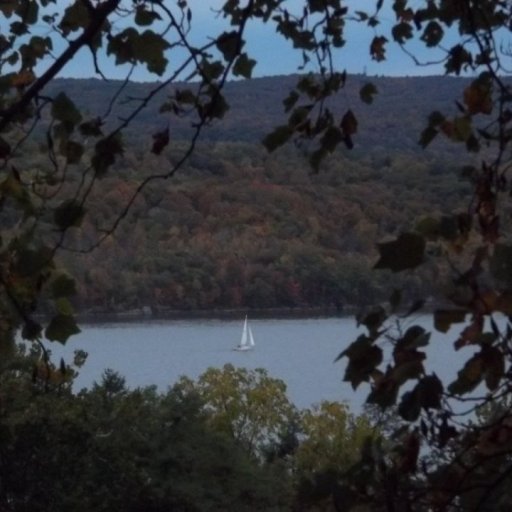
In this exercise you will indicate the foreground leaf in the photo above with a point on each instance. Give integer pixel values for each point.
(444, 318)
(407, 251)
(61, 327)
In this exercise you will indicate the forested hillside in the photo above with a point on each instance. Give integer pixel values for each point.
(393, 121)
(239, 228)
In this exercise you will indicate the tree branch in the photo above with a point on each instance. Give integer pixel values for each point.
(100, 14)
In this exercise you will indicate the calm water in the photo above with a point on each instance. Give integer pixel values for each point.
(300, 352)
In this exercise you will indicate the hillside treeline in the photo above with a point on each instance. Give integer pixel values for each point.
(242, 229)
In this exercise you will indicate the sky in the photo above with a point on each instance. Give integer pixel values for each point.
(274, 55)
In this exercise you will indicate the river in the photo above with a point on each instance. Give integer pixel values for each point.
(298, 351)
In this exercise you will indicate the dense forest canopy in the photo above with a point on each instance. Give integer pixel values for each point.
(82, 187)
(237, 228)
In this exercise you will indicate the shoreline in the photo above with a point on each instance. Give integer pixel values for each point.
(147, 315)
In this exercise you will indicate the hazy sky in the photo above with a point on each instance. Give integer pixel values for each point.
(274, 54)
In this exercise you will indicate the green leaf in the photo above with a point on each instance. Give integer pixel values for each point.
(384, 393)
(444, 318)
(40, 45)
(478, 97)
(363, 357)
(150, 48)
(31, 330)
(185, 96)
(64, 110)
(469, 377)
(121, 45)
(408, 370)
(427, 394)
(28, 11)
(331, 138)
(229, 44)
(316, 5)
(459, 58)
(316, 158)
(462, 129)
(76, 17)
(106, 151)
(415, 337)
(494, 366)
(19, 29)
(433, 34)
(409, 407)
(63, 286)
(64, 307)
(145, 17)
(308, 85)
(8, 7)
(243, 66)
(430, 392)
(160, 141)
(91, 128)
(349, 123)
(68, 213)
(446, 433)
(211, 70)
(407, 251)
(216, 108)
(427, 136)
(61, 327)
(367, 92)
(277, 138)
(402, 32)
(372, 320)
(377, 48)
(299, 115)
(291, 100)
(436, 118)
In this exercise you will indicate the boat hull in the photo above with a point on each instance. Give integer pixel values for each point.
(243, 349)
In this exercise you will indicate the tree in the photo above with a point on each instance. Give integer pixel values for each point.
(112, 448)
(41, 206)
(249, 405)
(331, 443)
(332, 438)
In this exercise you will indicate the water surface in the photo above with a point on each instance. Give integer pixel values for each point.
(298, 351)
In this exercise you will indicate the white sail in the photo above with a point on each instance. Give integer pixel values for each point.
(247, 340)
(251, 337)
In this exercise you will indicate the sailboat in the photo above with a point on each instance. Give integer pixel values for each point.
(247, 340)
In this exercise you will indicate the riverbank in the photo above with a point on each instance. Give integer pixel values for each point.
(147, 314)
